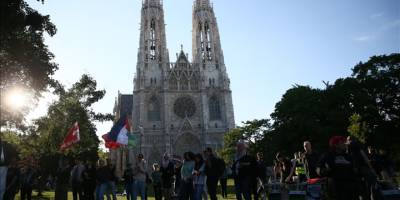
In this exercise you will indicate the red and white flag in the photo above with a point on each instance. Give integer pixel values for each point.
(71, 138)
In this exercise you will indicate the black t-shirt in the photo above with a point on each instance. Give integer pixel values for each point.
(261, 170)
(128, 176)
(310, 165)
(341, 167)
(355, 149)
(167, 173)
(286, 166)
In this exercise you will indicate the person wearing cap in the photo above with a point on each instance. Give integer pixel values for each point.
(338, 165)
(244, 170)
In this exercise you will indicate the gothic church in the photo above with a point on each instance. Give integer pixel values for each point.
(176, 106)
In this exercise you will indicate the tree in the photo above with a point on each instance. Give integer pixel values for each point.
(73, 105)
(252, 132)
(25, 61)
(358, 128)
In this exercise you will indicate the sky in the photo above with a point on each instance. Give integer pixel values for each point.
(268, 46)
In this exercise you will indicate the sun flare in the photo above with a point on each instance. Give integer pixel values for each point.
(16, 98)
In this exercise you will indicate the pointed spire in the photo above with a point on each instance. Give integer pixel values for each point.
(148, 3)
(202, 4)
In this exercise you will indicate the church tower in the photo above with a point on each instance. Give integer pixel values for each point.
(152, 52)
(207, 52)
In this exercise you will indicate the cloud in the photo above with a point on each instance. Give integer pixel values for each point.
(394, 24)
(376, 15)
(363, 38)
(390, 25)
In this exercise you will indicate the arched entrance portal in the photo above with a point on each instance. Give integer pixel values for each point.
(187, 142)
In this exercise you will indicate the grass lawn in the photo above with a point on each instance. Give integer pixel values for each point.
(48, 195)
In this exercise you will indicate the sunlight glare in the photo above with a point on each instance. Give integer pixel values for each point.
(16, 98)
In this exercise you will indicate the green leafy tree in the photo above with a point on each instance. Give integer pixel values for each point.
(358, 128)
(73, 105)
(253, 132)
(25, 61)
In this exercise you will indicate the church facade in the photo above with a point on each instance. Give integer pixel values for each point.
(182, 105)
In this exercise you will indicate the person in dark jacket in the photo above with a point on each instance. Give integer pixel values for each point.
(26, 180)
(128, 178)
(311, 160)
(7, 151)
(338, 165)
(62, 181)
(104, 175)
(77, 180)
(89, 181)
(167, 176)
(212, 171)
(12, 183)
(244, 170)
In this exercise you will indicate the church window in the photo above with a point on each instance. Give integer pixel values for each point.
(194, 83)
(214, 108)
(216, 125)
(172, 126)
(153, 113)
(208, 40)
(173, 83)
(209, 81)
(202, 46)
(152, 40)
(184, 83)
(154, 127)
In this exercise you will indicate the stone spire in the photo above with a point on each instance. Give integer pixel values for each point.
(205, 37)
(153, 2)
(152, 44)
(152, 52)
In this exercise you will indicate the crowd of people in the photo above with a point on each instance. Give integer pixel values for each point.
(349, 170)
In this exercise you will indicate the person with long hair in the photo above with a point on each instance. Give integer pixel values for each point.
(199, 176)
(186, 188)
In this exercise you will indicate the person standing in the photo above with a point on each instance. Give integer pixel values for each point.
(13, 175)
(214, 169)
(167, 176)
(186, 185)
(156, 177)
(89, 181)
(311, 160)
(6, 153)
(261, 175)
(128, 179)
(199, 176)
(223, 181)
(139, 171)
(27, 178)
(63, 175)
(338, 165)
(76, 180)
(103, 176)
(244, 172)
